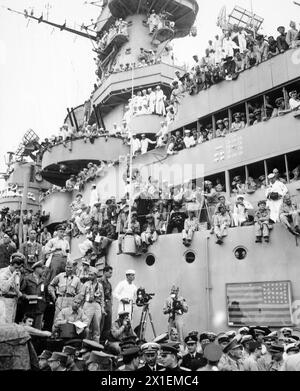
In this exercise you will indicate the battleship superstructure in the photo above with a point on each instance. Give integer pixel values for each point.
(202, 271)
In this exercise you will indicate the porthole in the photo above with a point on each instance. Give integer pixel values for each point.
(240, 253)
(190, 256)
(150, 259)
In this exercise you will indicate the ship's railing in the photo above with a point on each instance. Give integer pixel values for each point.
(83, 134)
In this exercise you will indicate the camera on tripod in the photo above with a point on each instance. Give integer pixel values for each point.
(142, 297)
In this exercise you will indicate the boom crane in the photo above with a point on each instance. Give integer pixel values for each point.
(59, 26)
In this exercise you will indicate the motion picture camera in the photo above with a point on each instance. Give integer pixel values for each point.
(142, 297)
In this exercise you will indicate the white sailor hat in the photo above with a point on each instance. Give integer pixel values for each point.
(292, 347)
(130, 271)
(271, 176)
(187, 131)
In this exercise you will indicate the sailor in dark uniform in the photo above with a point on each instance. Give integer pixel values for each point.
(193, 360)
(169, 357)
(150, 355)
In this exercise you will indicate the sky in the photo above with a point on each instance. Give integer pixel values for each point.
(43, 71)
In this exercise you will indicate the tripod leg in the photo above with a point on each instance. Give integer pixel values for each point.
(143, 328)
(151, 322)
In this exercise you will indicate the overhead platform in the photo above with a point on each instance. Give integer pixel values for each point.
(82, 153)
(182, 12)
(116, 89)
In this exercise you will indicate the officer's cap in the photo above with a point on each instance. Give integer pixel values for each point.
(69, 350)
(244, 330)
(234, 344)
(171, 347)
(276, 348)
(231, 333)
(203, 336)
(161, 338)
(99, 357)
(292, 347)
(246, 338)
(222, 338)
(191, 339)
(150, 347)
(57, 356)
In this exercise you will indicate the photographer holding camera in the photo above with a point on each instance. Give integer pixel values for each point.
(120, 329)
(175, 307)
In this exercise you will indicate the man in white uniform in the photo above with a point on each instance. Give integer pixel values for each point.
(275, 193)
(145, 144)
(125, 293)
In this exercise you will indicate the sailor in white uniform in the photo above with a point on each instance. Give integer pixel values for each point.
(125, 293)
(275, 193)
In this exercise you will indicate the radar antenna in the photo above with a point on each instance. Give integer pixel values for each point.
(59, 26)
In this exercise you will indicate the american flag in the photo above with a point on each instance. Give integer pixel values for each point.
(259, 303)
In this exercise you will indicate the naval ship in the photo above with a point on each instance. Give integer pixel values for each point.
(215, 280)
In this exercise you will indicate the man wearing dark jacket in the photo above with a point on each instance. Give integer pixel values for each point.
(193, 360)
(150, 354)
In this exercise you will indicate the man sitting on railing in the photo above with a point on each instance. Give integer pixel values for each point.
(240, 211)
(221, 223)
(191, 225)
(289, 215)
(262, 222)
(176, 219)
(149, 234)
